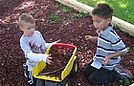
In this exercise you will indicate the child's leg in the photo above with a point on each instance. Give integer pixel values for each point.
(124, 73)
(25, 67)
(115, 76)
(28, 74)
(88, 70)
(31, 80)
(100, 76)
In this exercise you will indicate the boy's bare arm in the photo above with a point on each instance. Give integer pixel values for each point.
(106, 60)
(93, 38)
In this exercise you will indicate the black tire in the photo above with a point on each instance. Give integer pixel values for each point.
(74, 69)
(40, 82)
(65, 82)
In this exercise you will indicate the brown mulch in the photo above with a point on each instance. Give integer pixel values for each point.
(61, 54)
(70, 28)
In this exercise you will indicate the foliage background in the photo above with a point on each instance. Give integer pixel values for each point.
(123, 9)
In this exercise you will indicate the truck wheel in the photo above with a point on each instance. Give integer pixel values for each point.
(74, 69)
(40, 82)
(65, 82)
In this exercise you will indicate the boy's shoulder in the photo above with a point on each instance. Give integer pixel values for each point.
(111, 35)
(36, 31)
(107, 32)
(22, 38)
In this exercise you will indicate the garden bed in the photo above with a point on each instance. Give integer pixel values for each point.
(54, 21)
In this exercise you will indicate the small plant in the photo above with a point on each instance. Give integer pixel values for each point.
(79, 15)
(65, 8)
(54, 18)
(82, 15)
(126, 82)
(72, 16)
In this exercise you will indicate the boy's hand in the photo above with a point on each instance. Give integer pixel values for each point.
(106, 60)
(58, 41)
(49, 59)
(88, 37)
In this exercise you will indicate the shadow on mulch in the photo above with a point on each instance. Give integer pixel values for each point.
(70, 29)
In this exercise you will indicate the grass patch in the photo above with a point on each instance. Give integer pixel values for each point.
(123, 9)
(69, 10)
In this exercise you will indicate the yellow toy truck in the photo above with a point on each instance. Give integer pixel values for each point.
(70, 69)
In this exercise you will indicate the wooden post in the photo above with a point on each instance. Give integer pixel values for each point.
(123, 25)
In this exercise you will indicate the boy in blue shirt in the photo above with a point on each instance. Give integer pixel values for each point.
(32, 44)
(109, 48)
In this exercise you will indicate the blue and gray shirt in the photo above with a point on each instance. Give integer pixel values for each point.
(109, 43)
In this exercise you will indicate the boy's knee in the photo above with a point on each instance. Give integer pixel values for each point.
(97, 79)
(92, 79)
(86, 72)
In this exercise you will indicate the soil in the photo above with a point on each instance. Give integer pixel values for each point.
(60, 57)
(69, 27)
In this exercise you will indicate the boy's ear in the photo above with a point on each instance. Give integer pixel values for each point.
(21, 27)
(109, 20)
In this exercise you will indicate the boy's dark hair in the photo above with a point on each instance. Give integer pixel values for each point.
(103, 10)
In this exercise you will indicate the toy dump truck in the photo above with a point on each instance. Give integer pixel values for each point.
(48, 78)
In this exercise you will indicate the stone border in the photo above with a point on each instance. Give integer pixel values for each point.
(123, 25)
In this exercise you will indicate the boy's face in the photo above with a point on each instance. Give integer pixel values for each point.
(100, 23)
(28, 29)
